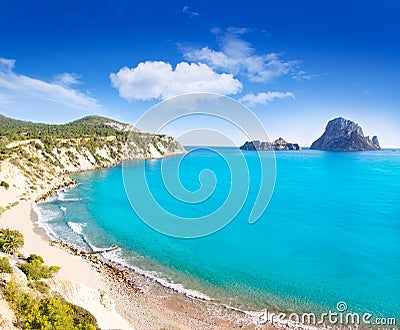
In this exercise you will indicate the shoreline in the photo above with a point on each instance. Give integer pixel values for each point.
(141, 301)
(38, 230)
(184, 309)
(134, 285)
(72, 269)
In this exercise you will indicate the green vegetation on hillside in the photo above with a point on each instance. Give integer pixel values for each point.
(35, 269)
(5, 266)
(37, 152)
(91, 133)
(38, 311)
(87, 127)
(34, 305)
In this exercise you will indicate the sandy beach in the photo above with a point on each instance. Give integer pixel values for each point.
(133, 301)
(71, 267)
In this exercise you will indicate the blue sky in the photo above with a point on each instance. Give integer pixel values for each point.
(296, 64)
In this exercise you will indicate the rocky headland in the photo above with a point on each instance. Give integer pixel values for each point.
(35, 158)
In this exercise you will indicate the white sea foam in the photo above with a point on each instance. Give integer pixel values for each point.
(49, 199)
(155, 277)
(64, 199)
(252, 316)
(62, 196)
(76, 227)
(43, 216)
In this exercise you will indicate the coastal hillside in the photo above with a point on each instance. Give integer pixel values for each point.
(37, 156)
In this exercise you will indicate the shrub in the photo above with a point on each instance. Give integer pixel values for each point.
(36, 145)
(40, 286)
(48, 313)
(1, 210)
(83, 318)
(5, 266)
(56, 313)
(34, 269)
(34, 159)
(71, 156)
(14, 203)
(4, 184)
(35, 257)
(10, 240)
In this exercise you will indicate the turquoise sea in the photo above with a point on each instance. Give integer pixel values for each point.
(330, 234)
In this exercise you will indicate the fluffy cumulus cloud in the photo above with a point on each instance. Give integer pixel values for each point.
(239, 57)
(264, 98)
(159, 80)
(21, 87)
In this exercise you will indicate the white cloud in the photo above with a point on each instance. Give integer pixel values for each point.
(264, 98)
(189, 12)
(159, 80)
(67, 79)
(18, 86)
(302, 75)
(239, 57)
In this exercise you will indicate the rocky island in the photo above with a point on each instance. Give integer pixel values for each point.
(278, 144)
(344, 135)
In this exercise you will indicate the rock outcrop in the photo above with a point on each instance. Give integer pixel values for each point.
(344, 135)
(278, 144)
(97, 302)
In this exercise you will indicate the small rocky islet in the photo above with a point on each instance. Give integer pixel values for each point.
(345, 135)
(278, 144)
(340, 135)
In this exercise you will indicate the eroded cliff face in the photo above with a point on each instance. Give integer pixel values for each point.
(344, 135)
(34, 166)
(96, 301)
